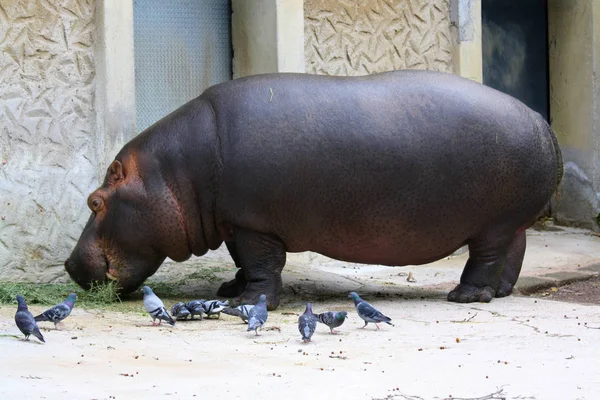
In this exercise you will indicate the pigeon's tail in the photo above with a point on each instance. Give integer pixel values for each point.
(233, 311)
(41, 317)
(389, 322)
(169, 320)
(36, 332)
(254, 324)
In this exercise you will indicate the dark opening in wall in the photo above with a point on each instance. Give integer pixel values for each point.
(515, 50)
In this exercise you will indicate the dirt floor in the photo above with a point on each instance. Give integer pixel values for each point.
(586, 291)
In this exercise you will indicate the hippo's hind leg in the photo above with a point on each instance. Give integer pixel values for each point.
(483, 272)
(262, 258)
(236, 286)
(512, 265)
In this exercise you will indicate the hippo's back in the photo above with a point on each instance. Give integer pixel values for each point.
(356, 166)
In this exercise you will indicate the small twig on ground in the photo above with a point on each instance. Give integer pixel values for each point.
(466, 319)
(498, 395)
(592, 327)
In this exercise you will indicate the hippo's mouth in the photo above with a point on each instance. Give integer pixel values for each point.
(111, 271)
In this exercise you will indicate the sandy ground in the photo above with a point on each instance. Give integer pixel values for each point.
(530, 348)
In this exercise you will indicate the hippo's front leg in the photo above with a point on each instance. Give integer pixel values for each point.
(236, 286)
(262, 258)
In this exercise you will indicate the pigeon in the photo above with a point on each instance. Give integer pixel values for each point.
(258, 315)
(25, 321)
(239, 311)
(180, 311)
(307, 323)
(368, 313)
(195, 307)
(59, 312)
(332, 319)
(155, 307)
(214, 307)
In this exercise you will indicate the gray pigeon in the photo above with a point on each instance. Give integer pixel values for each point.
(180, 311)
(258, 315)
(155, 307)
(307, 323)
(195, 307)
(25, 321)
(368, 313)
(214, 307)
(239, 311)
(332, 319)
(59, 312)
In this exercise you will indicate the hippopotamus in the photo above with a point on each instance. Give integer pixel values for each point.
(396, 168)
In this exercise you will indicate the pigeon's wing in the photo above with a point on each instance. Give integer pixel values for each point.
(245, 309)
(326, 318)
(370, 313)
(152, 302)
(25, 322)
(163, 314)
(55, 314)
(236, 312)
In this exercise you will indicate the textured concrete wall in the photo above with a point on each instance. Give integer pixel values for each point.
(574, 36)
(47, 133)
(359, 37)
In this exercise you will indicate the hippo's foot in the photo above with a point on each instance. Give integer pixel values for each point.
(246, 298)
(504, 289)
(234, 287)
(464, 293)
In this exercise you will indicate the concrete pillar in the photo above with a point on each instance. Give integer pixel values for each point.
(466, 17)
(267, 36)
(574, 62)
(115, 78)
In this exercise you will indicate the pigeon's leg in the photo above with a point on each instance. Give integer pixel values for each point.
(512, 265)
(262, 257)
(236, 286)
(377, 326)
(365, 325)
(481, 277)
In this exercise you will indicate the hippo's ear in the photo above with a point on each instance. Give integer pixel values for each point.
(115, 172)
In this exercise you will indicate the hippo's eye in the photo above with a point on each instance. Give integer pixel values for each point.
(95, 204)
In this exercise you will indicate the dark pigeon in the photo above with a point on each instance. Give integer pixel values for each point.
(307, 323)
(368, 313)
(180, 311)
(258, 315)
(332, 319)
(195, 307)
(59, 312)
(25, 321)
(156, 308)
(239, 311)
(214, 307)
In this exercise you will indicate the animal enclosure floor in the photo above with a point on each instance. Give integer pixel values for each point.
(530, 348)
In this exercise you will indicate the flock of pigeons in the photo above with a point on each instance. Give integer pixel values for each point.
(254, 315)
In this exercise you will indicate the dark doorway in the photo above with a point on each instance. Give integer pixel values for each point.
(515, 50)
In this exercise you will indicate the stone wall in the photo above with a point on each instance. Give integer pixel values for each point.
(574, 34)
(359, 37)
(47, 133)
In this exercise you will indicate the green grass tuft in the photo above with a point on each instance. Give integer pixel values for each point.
(100, 295)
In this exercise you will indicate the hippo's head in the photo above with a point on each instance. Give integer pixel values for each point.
(134, 226)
